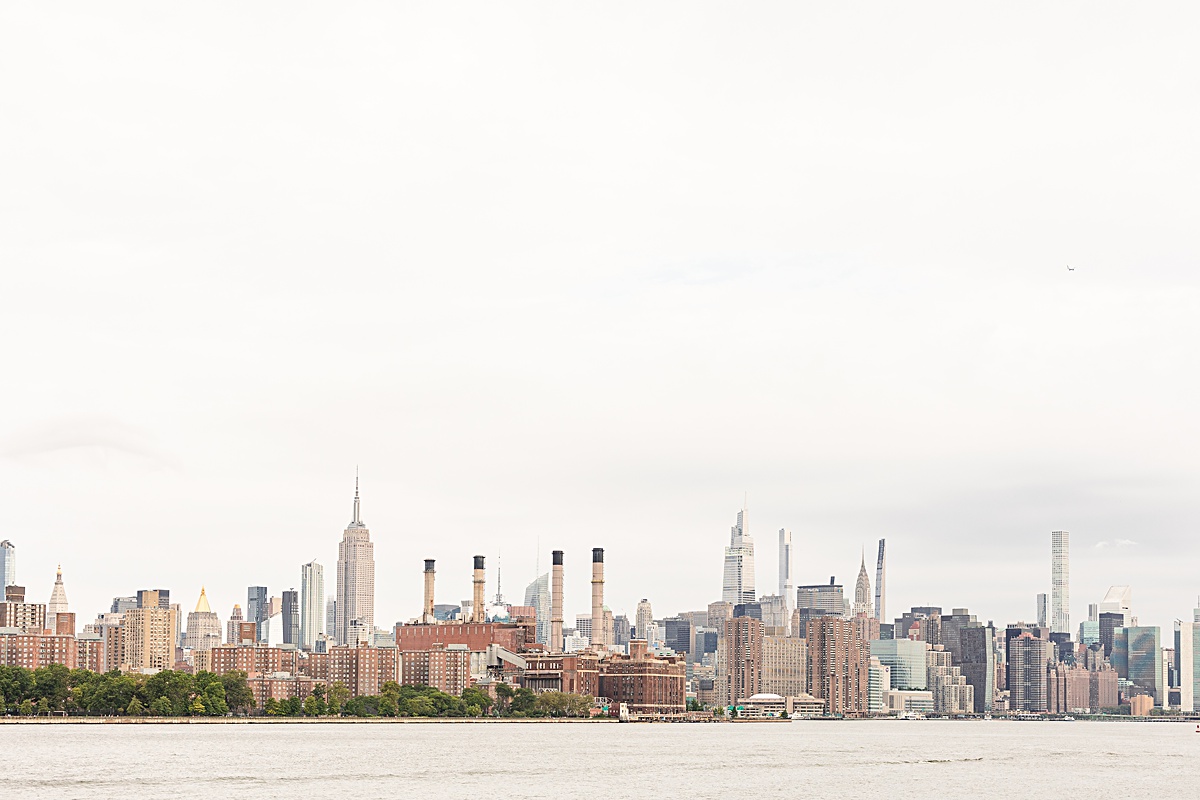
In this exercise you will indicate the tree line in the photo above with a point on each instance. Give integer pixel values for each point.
(55, 689)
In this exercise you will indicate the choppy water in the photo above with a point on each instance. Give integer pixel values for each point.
(846, 759)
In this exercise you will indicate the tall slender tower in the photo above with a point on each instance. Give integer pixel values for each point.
(427, 617)
(599, 636)
(862, 590)
(312, 603)
(787, 584)
(737, 585)
(58, 602)
(355, 578)
(880, 582)
(556, 602)
(1060, 587)
(8, 565)
(478, 583)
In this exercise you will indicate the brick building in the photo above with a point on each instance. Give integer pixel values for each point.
(279, 686)
(34, 650)
(252, 659)
(362, 669)
(838, 666)
(574, 673)
(475, 635)
(647, 685)
(445, 668)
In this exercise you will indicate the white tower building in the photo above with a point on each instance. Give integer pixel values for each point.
(738, 583)
(1060, 587)
(312, 603)
(787, 583)
(643, 620)
(355, 579)
(58, 602)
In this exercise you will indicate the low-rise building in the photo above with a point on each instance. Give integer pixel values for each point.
(647, 685)
(446, 668)
(34, 650)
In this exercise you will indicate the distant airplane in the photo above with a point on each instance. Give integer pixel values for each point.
(1070, 268)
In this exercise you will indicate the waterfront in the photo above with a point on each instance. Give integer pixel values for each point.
(845, 759)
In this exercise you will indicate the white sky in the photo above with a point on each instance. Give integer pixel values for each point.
(583, 275)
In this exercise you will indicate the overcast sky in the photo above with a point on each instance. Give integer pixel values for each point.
(585, 275)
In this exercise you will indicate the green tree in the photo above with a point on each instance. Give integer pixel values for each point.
(312, 706)
(524, 702)
(176, 687)
(477, 698)
(134, 709)
(43, 706)
(26, 707)
(197, 708)
(161, 707)
(52, 685)
(238, 696)
(474, 711)
(339, 695)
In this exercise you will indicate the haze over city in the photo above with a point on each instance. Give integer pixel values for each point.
(541, 288)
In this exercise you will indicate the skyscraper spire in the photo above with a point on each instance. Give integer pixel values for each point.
(357, 521)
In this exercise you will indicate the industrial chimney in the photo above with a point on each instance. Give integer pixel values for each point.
(598, 634)
(427, 617)
(478, 612)
(556, 602)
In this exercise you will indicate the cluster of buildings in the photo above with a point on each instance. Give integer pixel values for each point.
(803, 651)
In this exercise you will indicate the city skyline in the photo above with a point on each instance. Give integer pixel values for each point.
(1048, 611)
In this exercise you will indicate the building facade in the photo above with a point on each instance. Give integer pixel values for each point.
(737, 584)
(784, 666)
(1060, 587)
(355, 578)
(312, 604)
(837, 666)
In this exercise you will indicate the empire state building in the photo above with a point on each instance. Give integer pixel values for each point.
(355, 581)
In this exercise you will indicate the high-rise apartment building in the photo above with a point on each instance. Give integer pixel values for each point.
(1043, 610)
(258, 610)
(862, 590)
(8, 564)
(537, 594)
(787, 582)
(355, 578)
(838, 666)
(1028, 659)
(738, 581)
(312, 596)
(290, 613)
(330, 615)
(784, 666)
(148, 635)
(743, 658)
(58, 602)
(880, 582)
(1060, 587)
(16, 613)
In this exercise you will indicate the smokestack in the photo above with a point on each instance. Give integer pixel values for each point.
(427, 612)
(598, 633)
(556, 602)
(478, 612)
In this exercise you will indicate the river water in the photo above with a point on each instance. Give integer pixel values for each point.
(811, 759)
